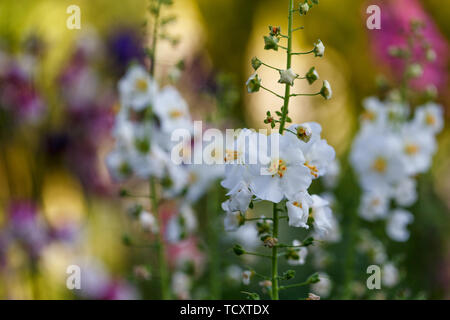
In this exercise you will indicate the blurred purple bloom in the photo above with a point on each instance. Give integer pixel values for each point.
(396, 16)
(27, 228)
(125, 45)
(19, 96)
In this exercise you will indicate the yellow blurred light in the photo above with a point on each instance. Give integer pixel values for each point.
(62, 199)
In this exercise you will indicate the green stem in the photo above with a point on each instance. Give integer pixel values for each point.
(258, 254)
(284, 115)
(163, 267)
(213, 246)
(274, 93)
(287, 93)
(305, 94)
(155, 39)
(294, 285)
(269, 66)
(300, 53)
(275, 254)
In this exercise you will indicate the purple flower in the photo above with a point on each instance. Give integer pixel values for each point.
(19, 96)
(27, 228)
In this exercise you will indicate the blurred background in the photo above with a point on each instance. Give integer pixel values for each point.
(57, 104)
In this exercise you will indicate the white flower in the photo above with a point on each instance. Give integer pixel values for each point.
(253, 83)
(172, 110)
(318, 154)
(323, 287)
(240, 197)
(181, 285)
(200, 179)
(234, 273)
(396, 227)
(118, 165)
(233, 220)
(287, 76)
(148, 222)
(175, 180)
(377, 159)
(137, 89)
(389, 275)
(430, 117)
(241, 154)
(374, 115)
(374, 204)
(326, 91)
(331, 177)
(247, 235)
(333, 235)
(418, 146)
(298, 209)
(285, 175)
(322, 215)
(300, 257)
(405, 193)
(149, 164)
(319, 49)
(181, 224)
(246, 277)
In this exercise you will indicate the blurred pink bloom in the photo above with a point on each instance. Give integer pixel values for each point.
(396, 16)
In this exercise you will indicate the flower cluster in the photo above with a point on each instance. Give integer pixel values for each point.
(279, 176)
(279, 168)
(388, 153)
(142, 132)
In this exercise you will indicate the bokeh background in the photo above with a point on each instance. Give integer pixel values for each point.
(61, 85)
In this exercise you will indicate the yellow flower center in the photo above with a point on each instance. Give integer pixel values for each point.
(174, 114)
(298, 205)
(231, 155)
(379, 165)
(193, 177)
(368, 115)
(277, 167)
(430, 119)
(312, 169)
(141, 84)
(411, 149)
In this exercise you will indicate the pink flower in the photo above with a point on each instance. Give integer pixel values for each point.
(396, 16)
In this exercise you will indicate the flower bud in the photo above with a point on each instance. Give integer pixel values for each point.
(142, 272)
(304, 133)
(314, 278)
(312, 75)
(274, 31)
(430, 55)
(246, 277)
(326, 91)
(256, 63)
(431, 92)
(271, 43)
(288, 275)
(287, 76)
(238, 250)
(253, 83)
(312, 296)
(414, 70)
(319, 49)
(270, 242)
(303, 8)
(397, 52)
